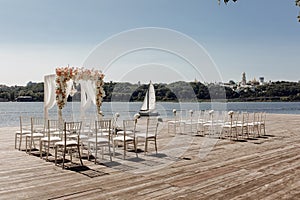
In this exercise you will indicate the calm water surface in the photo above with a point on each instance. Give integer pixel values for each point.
(10, 111)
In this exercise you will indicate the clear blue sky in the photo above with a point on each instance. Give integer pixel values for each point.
(259, 37)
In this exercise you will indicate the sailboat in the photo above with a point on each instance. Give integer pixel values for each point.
(148, 107)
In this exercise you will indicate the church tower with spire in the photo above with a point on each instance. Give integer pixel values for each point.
(244, 81)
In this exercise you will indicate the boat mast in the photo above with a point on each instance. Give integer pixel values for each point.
(148, 96)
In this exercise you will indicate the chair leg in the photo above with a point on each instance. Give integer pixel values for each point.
(134, 145)
(109, 152)
(82, 147)
(48, 148)
(155, 145)
(41, 150)
(89, 148)
(124, 155)
(71, 155)
(26, 143)
(20, 142)
(114, 149)
(78, 148)
(30, 144)
(262, 127)
(16, 138)
(64, 156)
(96, 149)
(175, 128)
(55, 155)
(146, 146)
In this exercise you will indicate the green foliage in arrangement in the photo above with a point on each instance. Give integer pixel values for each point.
(177, 91)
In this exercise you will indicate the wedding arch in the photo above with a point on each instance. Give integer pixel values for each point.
(58, 86)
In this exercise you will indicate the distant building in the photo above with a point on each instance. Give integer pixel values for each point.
(244, 80)
(24, 99)
(261, 80)
(3, 100)
(254, 82)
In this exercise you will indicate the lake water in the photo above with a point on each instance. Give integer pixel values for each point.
(10, 111)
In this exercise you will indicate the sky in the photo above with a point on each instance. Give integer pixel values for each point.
(260, 38)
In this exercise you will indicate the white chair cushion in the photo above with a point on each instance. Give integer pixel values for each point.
(69, 143)
(99, 140)
(35, 135)
(23, 132)
(143, 135)
(51, 139)
(121, 138)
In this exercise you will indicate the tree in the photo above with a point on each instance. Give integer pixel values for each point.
(226, 1)
(297, 4)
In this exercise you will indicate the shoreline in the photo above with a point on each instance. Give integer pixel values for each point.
(267, 99)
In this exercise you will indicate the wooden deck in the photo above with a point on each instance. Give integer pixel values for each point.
(262, 168)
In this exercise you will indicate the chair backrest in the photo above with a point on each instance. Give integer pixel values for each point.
(206, 116)
(263, 117)
(25, 123)
(129, 126)
(115, 124)
(37, 125)
(255, 117)
(194, 115)
(53, 126)
(179, 115)
(225, 116)
(152, 126)
(236, 116)
(102, 126)
(219, 116)
(211, 116)
(72, 129)
(233, 118)
(88, 123)
(201, 116)
(245, 119)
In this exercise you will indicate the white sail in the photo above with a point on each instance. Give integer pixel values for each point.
(149, 101)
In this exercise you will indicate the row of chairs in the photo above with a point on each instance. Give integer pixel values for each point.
(108, 133)
(61, 136)
(92, 135)
(222, 123)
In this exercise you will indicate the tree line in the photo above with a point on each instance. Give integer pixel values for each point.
(297, 2)
(177, 91)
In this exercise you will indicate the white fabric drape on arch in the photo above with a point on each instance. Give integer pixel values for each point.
(49, 94)
(88, 94)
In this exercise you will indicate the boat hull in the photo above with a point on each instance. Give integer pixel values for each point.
(148, 113)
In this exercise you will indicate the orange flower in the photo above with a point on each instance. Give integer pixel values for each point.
(58, 72)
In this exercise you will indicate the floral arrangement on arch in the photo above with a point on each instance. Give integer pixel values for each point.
(65, 74)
